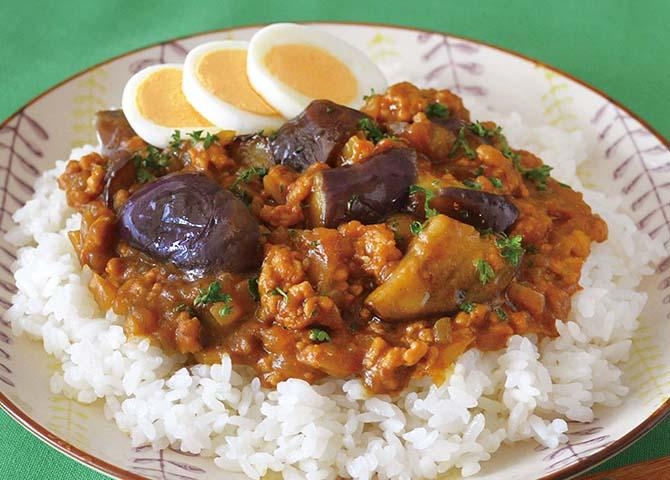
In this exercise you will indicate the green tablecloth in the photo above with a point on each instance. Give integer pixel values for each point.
(620, 47)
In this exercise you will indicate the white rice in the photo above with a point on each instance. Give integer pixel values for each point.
(526, 391)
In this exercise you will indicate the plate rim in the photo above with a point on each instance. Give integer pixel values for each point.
(106, 468)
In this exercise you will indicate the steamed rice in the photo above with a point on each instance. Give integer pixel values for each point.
(526, 391)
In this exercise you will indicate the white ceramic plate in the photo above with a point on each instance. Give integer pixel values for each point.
(632, 154)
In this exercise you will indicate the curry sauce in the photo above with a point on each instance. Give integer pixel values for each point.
(379, 247)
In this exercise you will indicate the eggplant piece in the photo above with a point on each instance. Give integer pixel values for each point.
(251, 150)
(114, 131)
(191, 221)
(482, 210)
(438, 273)
(367, 192)
(316, 135)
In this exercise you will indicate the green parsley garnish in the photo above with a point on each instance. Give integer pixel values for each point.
(496, 182)
(539, 175)
(501, 313)
(195, 135)
(225, 310)
(416, 227)
(147, 166)
(510, 249)
(182, 307)
(371, 129)
(212, 294)
(319, 335)
(472, 184)
(467, 307)
(368, 97)
(245, 175)
(462, 142)
(252, 285)
(209, 139)
(428, 196)
(484, 270)
(481, 131)
(437, 110)
(478, 171)
(176, 140)
(279, 291)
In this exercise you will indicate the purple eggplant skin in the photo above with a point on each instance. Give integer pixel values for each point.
(113, 131)
(367, 192)
(482, 210)
(317, 135)
(251, 150)
(191, 221)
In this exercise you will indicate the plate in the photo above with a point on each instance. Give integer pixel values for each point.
(635, 158)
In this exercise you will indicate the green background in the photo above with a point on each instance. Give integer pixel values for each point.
(620, 47)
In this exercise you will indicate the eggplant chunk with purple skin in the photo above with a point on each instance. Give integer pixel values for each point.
(317, 135)
(191, 221)
(252, 150)
(367, 192)
(482, 210)
(114, 131)
(443, 267)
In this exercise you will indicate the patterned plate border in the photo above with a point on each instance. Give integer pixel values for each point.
(18, 137)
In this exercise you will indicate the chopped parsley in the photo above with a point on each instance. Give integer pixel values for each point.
(484, 270)
(462, 142)
(478, 171)
(147, 166)
(371, 129)
(245, 175)
(209, 139)
(496, 182)
(279, 291)
(510, 249)
(212, 294)
(428, 196)
(539, 175)
(368, 97)
(319, 335)
(416, 227)
(196, 135)
(501, 313)
(481, 131)
(182, 307)
(252, 285)
(472, 184)
(467, 307)
(225, 310)
(437, 110)
(175, 143)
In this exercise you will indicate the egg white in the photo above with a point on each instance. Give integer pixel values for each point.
(285, 99)
(150, 131)
(221, 113)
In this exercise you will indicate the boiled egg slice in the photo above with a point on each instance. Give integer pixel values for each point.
(290, 65)
(215, 82)
(155, 106)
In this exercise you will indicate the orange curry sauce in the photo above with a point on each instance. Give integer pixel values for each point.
(309, 311)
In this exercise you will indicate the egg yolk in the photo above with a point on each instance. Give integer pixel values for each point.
(313, 72)
(224, 74)
(160, 99)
